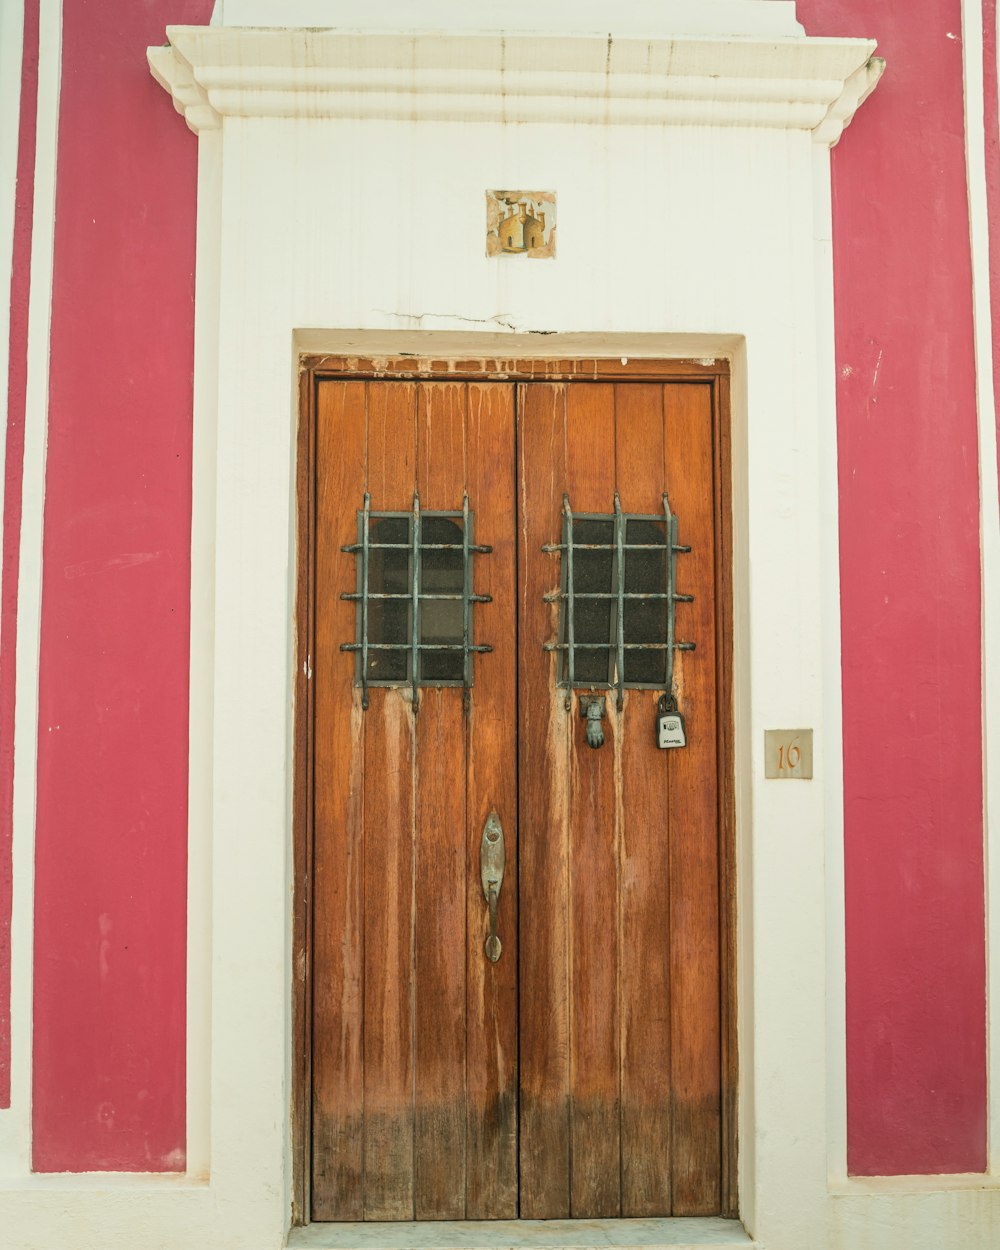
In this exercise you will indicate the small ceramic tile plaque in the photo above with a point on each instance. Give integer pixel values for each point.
(521, 223)
(788, 754)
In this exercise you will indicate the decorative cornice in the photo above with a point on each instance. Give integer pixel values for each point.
(787, 84)
(841, 112)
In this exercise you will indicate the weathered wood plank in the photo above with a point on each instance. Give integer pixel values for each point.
(643, 807)
(338, 941)
(441, 869)
(593, 915)
(389, 855)
(694, 860)
(491, 1184)
(543, 744)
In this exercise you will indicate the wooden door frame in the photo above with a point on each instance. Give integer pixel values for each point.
(314, 369)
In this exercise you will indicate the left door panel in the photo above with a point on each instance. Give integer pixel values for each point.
(414, 1030)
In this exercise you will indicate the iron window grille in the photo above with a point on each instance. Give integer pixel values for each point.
(397, 640)
(616, 574)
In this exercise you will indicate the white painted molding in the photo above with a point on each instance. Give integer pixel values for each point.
(790, 84)
(857, 89)
(172, 72)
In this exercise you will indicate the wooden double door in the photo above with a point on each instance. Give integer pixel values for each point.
(583, 1072)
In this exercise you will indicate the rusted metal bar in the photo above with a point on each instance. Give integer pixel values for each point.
(480, 549)
(620, 610)
(424, 596)
(570, 605)
(415, 605)
(365, 518)
(608, 646)
(406, 646)
(557, 595)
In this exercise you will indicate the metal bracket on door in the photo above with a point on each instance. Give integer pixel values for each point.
(492, 857)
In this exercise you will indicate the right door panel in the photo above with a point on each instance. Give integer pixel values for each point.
(620, 1024)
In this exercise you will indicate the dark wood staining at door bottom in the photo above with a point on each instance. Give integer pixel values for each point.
(590, 1072)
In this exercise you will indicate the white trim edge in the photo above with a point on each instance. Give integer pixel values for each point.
(989, 496)
(11, 46)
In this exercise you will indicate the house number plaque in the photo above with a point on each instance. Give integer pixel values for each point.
(788, 754)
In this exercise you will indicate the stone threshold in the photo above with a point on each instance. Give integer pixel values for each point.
(678, 1234)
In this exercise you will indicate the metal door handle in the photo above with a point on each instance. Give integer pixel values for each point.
(492, 857)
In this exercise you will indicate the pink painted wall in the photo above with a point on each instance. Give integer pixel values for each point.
(910, 578)
(109, 994)
(17, 385)
(110, 870)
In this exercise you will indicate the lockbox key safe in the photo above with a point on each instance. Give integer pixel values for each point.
(669, 725)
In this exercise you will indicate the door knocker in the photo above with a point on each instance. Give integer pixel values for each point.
(592, 709)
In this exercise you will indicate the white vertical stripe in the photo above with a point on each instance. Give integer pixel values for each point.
(832, 676)
(201, 726)
(989, 503)
(16, 1139)
(11, 41)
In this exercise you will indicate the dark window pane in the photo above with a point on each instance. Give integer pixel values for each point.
(592, 618)
(595, 620)
(645, 619)
(442, 614)
(441, 620)
(389, 619)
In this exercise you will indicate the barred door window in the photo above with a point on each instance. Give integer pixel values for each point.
(617, 599)
(414, 598)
